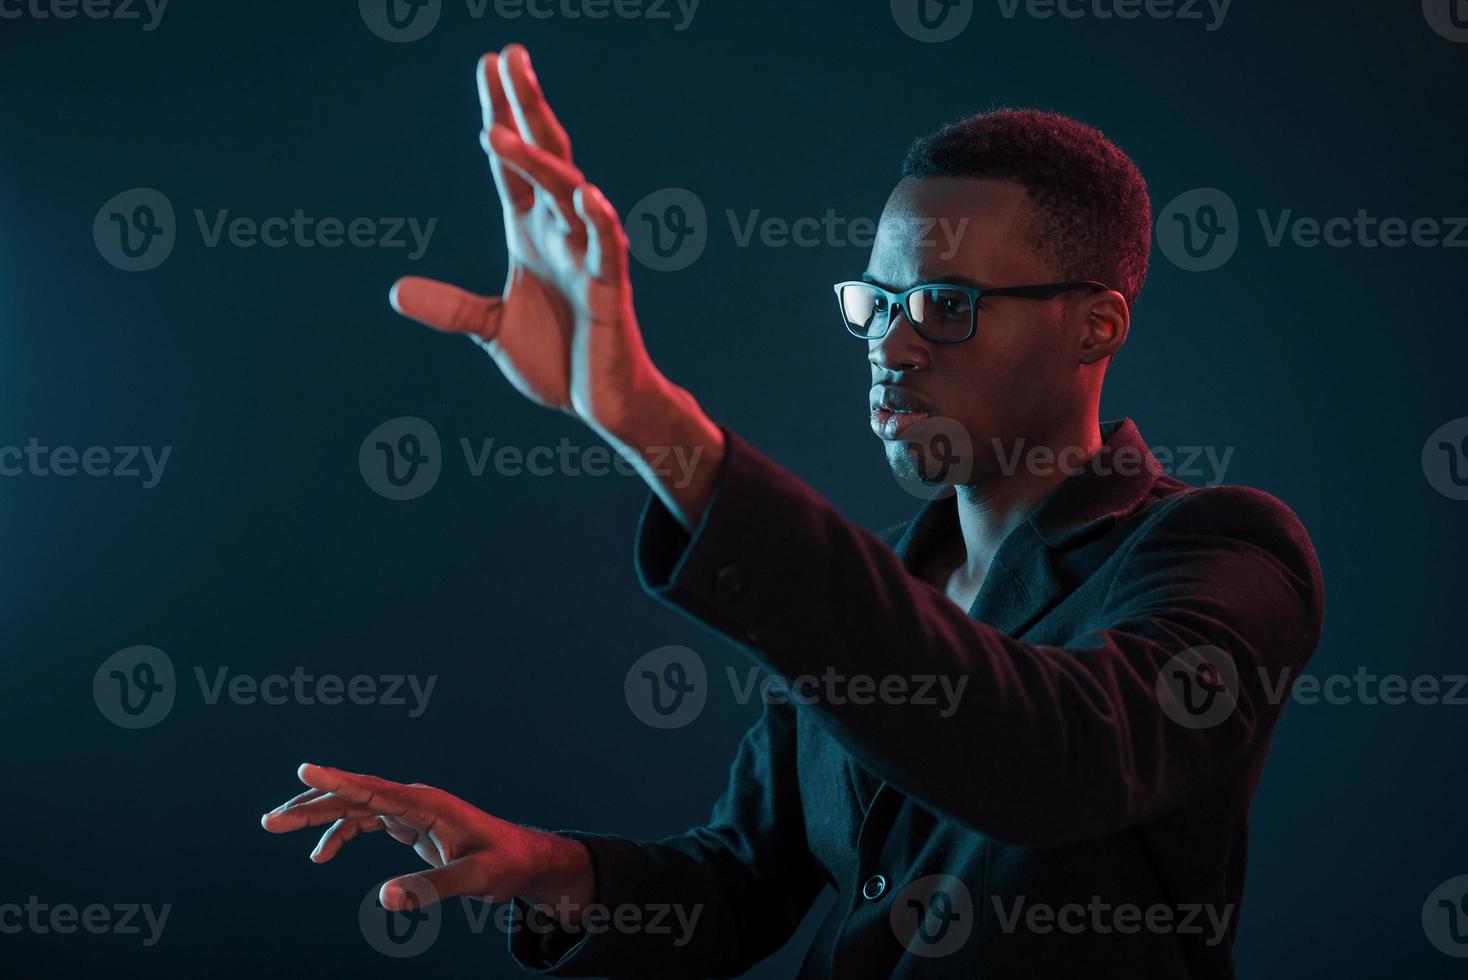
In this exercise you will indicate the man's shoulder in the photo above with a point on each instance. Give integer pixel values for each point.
(1184, 515)
(891, 535)
(1233, 510)
(1182, 506)
(1181, 519)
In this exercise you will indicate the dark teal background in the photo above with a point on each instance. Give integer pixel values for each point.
(262, 548)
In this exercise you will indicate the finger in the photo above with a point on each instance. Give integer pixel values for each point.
(400, 831)
(305, 797)
(555, 179)
(548, 172)
(422, 844)
(606, 246)
(314, 813)
(268, 818)
(516, 194)
(537, 123)
(407, 803)
(462, 877)
(445, 307)
(339, 833)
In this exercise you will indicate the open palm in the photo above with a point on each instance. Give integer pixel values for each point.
(563, 331)
(471, 852)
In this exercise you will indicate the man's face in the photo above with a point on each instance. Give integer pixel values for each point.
(1017, 377)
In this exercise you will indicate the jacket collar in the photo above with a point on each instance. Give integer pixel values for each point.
(1111, 485)
(1024, 578)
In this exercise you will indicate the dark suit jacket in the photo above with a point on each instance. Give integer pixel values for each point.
(1074, 816)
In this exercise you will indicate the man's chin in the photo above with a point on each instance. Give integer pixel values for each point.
(936, 462)
(905, 459)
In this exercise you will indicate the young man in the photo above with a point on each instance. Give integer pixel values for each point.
(1107, 634)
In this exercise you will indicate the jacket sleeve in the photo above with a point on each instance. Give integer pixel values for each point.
(726, 895)
(1045, 744)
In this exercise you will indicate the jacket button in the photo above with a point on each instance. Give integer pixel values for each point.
(729, 582)
(875, 888)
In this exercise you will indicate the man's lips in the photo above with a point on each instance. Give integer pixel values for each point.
(895, 411)
(897, 399)
(888, 424)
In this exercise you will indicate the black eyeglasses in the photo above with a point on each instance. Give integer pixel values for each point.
(941, 313)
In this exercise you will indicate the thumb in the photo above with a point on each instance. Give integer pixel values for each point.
(466, 876)
(445, 307)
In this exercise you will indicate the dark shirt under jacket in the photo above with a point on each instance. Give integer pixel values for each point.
(1060, 781)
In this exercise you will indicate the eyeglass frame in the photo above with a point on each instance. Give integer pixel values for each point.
(898, 300)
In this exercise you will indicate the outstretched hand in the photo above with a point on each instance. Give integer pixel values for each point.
(470, 852)
(563, 330)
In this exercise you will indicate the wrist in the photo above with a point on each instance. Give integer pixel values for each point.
(677, 448)
(657, 413)
(564, 880)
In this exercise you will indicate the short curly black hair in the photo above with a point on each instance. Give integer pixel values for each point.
(1090, 211)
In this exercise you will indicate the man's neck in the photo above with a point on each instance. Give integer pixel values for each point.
(991, 508)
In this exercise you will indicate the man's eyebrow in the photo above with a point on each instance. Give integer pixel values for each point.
(952, 278)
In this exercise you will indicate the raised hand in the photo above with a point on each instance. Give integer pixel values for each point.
(470, 852)
(563, 331)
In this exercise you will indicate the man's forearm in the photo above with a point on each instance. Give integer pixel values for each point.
(676, 448)
(1056, 743)
(567, 882)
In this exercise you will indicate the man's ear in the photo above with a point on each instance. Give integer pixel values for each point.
(1105, 321)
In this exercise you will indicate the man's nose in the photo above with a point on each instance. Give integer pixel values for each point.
(900, 349)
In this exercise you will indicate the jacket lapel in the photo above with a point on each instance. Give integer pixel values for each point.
(1028, 574)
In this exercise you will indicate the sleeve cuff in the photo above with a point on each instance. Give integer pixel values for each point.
(706, 574)
(539, 944)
